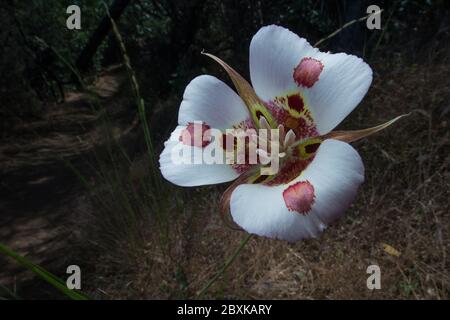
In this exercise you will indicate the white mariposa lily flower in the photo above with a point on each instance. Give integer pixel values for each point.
(304, 93)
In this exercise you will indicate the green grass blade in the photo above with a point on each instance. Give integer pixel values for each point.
(43, 274)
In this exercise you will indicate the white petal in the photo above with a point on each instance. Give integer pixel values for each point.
(274, 53)
(208, 99)
(344, 80)
(342, 84)
(335, 173)
(261, 210)
(188, 175)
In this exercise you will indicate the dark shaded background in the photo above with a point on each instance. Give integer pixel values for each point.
(164, 39)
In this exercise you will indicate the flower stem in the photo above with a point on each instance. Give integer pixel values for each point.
(224, 267)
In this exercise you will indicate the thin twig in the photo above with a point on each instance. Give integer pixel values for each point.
(348, 24)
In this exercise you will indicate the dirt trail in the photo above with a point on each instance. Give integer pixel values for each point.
(39, 192)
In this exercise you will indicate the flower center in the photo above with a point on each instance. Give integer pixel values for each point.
(291, 110)
(294, 154)
(296, 136)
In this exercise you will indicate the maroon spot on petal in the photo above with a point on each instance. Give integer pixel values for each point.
(295, 102)
(196, 134)
(299, 197)
(307, 72)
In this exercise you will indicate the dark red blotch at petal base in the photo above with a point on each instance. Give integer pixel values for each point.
(196, 134)
(311, 148)
(307, 72)
(296, 102)
(299, 197)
